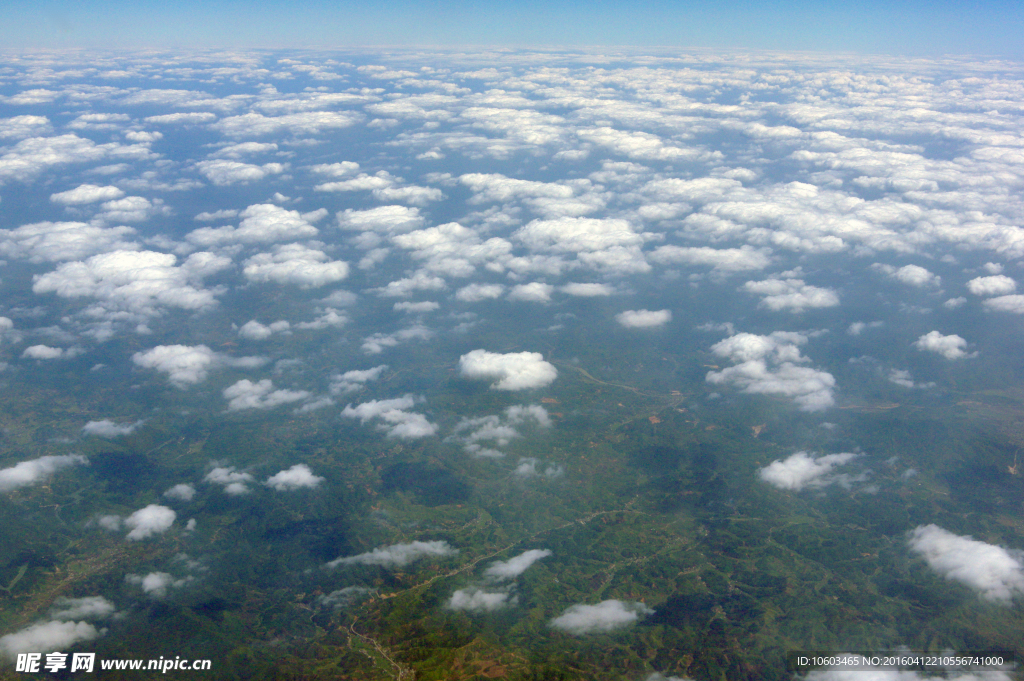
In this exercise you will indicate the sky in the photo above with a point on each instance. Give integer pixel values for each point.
(988, 27)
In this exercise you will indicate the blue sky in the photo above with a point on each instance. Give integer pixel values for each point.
(916, 28)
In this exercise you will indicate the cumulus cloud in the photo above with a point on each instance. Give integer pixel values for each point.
(791, 294)
(643, 319)
(61, 241)
(724, 260)
(493, 428)
(110, 429)
(261, 223)
(233, 481)
(295, 264)
(254, 330)
(587, 290)
(86, 193)
(912, 275)
(803, 470)
(532, 467)
(398, 555)
(260, 395)
(297, 477)
(224, 172)
(375, 344)
(397, 421)
(475, 599)
(151, 520)
(78, 608)
(950, 347)
(997, 285)
(474, 293)
(535, 292)
(997, 574)
(386, 219)
(510, 371)
(189, 364)
(513, 567)
(768, 365)
(137, 281)
(46, 637)
(33, 471)
(156, 584)
(601, 618)
(354, 380)
(182, 492)
(44, 352)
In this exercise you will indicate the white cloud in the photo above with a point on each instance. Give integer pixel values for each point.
(185, 364)
(260, 395)
(137, 281)
(44, 352)
(996, 573)
(510, 569)
(156, 584)
(388, 219)
(307, 122)
(741, 259)
(297, 477)
(47, 637)
(148, 521)
(768, 365)
(587, 290)
(254, 330)
(421, 307)
(475, 599)
(60, 241)
(532, 467)
(601, 618)
(534, 292)
(295, 264)
(261, 223)
(107, 428)
(802, 470)
(86, 193)
(998, 285)
(182, 492)
(375, 344)
(233, 481)
(405, 287)
(223, 172)
(397, 421)
(643, 319)
(791, 294)
(351, 381)
(915, 275)
(398, 555)
(510, 371)
(78, 608)
(34, 470)
(950, 347)
(474, 293)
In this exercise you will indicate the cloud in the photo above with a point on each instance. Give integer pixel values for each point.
(44, 352)
(261, 223)
(950, 347)
(261, 395)
(791, 294)
(77, 608)
(802, 470)
(47, 637)
(109, 429)
(998, 285)
(398, 555)
(510, 569)
(151, 520)
(643, 319)
(254, 330)
(375, 344)
(223, 172)
(309, 122)
(137, 281)
(352, 381)
(601, 618)
(156, 584)
(912, 275)
(86, 193)
(531, 467)
(233, 481)
(60, 241)
(497, 430)
(416, 308)
(397, 421)
(405, 287)
(295, 264)
(996, 573)
(768, 365)
(903, 378)
(1013, 304)
(535, 292)
(478, 600)
(743, 259)
(510, 371)
(587, 290)
(32, 471)
(297, 477)
(182, 492)
(189, 364)
(474, 293)
(388, 219)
